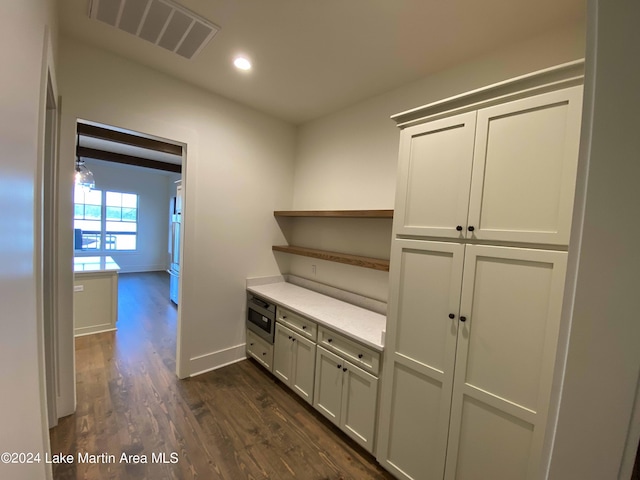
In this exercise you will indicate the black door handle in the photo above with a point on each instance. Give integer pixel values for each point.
(452, 316)
(463, 319)
(471, 228)
(459, 228)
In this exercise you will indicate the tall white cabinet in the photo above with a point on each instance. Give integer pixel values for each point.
(481, 228)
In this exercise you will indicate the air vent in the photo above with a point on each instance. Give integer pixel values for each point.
(161, 22)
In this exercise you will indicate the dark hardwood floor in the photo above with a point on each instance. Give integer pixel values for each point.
(237, 422)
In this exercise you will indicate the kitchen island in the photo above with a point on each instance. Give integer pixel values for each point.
(95, 297)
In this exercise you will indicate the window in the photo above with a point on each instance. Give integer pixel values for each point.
(105, 220)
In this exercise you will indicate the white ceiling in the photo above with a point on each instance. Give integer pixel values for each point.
(313, 57)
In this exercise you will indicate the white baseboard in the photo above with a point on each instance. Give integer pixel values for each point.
(81, 332)
(214, 360)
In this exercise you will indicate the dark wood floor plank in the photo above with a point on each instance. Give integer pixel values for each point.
(234, 423)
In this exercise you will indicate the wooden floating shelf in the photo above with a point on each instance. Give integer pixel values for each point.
(356, 260)
(335, 213)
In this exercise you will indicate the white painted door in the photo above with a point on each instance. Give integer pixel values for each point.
(359, 401)
(303, 368)
(511, 300)
(417, 380)
(434, 175)
(524, 169)
(283, 354)
(328, 384)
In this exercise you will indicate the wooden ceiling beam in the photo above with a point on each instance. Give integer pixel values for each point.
(128, 139)
(85, 152)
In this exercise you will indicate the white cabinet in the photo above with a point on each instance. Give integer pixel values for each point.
(471, 345)
(346, 395)
(298, 323)
(260, 350)
(503, 173)
(512, 300)
(472, 330)
(294, 361)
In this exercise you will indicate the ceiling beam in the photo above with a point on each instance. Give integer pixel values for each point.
(128, 139)
(85, 152)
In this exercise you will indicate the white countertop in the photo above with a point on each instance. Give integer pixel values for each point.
(102, 263)
(356, 322)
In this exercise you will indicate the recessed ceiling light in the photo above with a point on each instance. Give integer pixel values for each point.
(242, 63)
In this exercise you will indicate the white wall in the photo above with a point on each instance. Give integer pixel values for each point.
(155, 188)
(23, 420)
(347, 160)
(239, 169)
(598, 428)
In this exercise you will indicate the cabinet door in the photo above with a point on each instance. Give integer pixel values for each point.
(303, 368)
(359, 400)
(434, 175)
(512, 299)
(260, 350)
(419, 357)
(524, 169)
(328, 385)
(283, 354)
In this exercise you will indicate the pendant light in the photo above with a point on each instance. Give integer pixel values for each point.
(84, 177)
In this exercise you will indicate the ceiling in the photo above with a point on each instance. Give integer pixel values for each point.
(313, 57)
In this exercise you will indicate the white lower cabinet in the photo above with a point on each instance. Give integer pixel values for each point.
(471, 346)
(259, 349)
(294, 361)
(346, 395)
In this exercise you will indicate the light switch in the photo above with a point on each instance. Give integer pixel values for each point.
(78, 288)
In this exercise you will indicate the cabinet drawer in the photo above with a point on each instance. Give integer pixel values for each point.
(260, 350)
(298, 323)
(358, 354)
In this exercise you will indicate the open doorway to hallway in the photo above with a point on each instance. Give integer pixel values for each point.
(123, 227)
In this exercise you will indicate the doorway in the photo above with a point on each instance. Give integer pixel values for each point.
(126, 218)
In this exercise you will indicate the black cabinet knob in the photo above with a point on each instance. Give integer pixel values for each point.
(251, 344)
(339, 366)
(359, 355)
(344, 369)
(329, 340)
(459, 228)
(264, 353)
(471, 228)
(304, 327)
(289, 337)
(463, 319)
(293, 339)
(284, 316)
(452, 316)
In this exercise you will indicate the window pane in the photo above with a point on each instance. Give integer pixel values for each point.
(90, 241)
(89, 225)
(94, 197)
(92, 212)
(114, 199)
(113, 213)
(129, 214)
(120, 242)
(121, 227)
(78, 194)
(129, 200)
(78, 211)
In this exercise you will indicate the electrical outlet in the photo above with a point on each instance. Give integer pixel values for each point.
(313, 269)
(78, 288)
